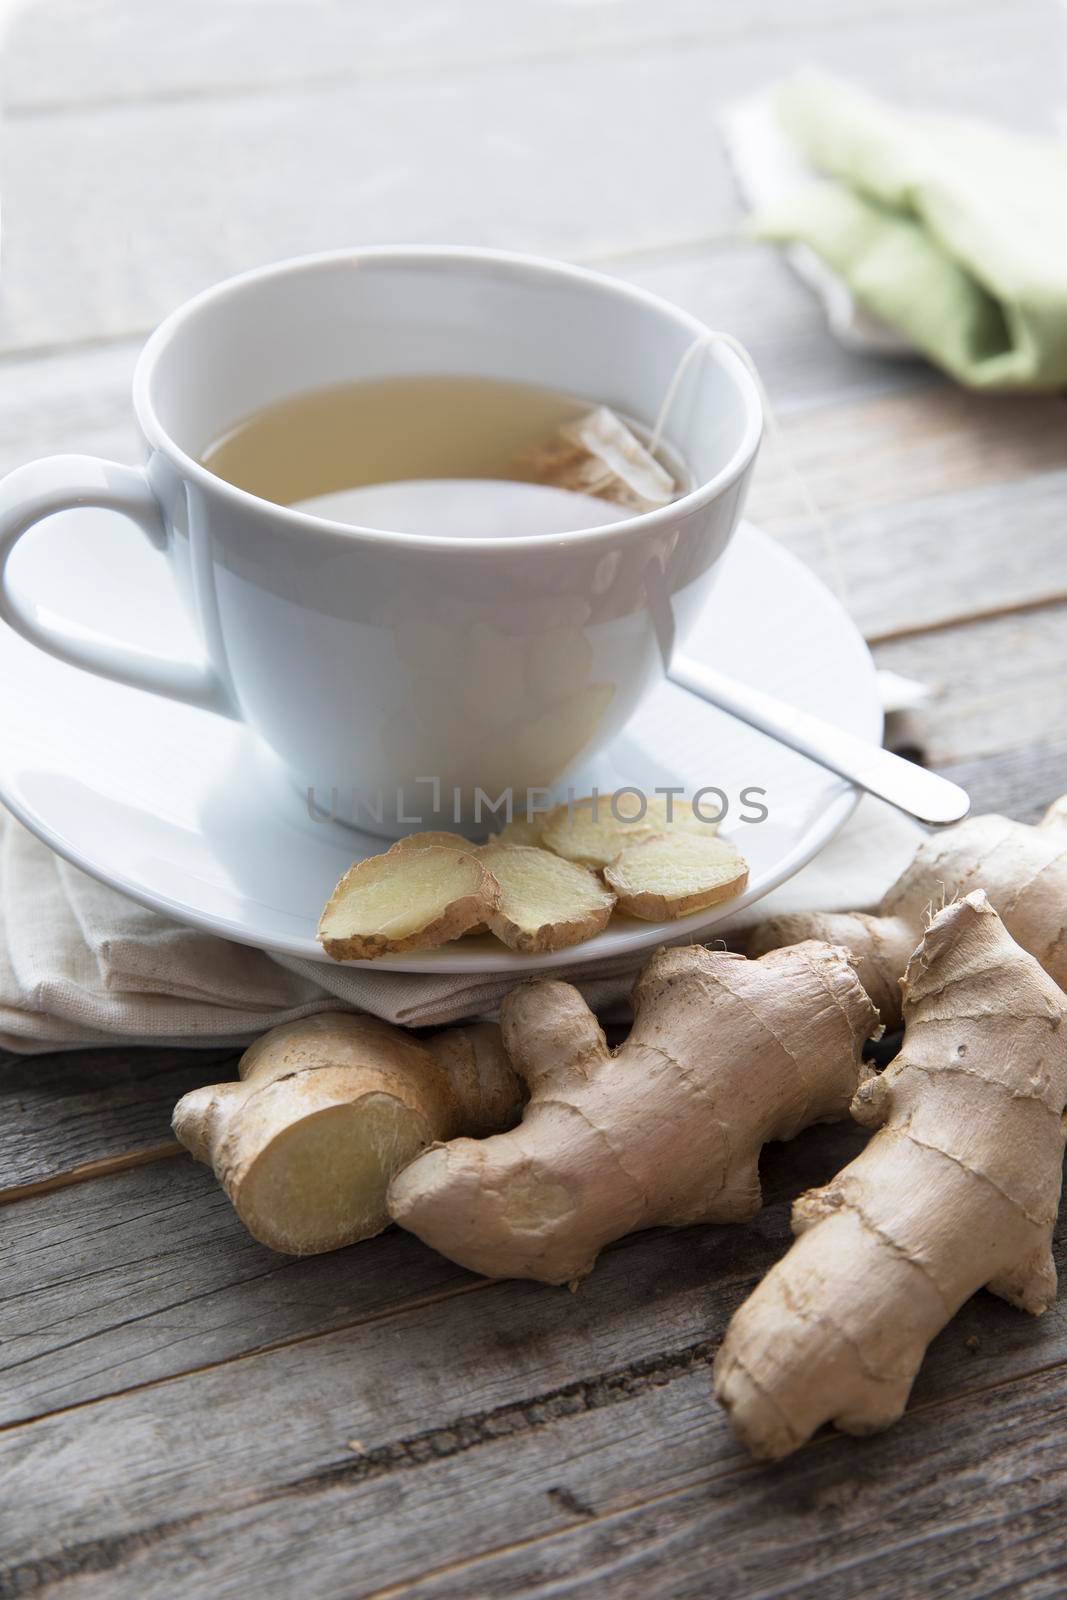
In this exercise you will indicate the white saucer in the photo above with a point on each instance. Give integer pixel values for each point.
(189, 813)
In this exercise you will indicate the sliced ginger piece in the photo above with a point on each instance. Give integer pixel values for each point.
(522, 830)
(406, 900)
(445, 841)
(591, 834)
(328, 1108)
(545, 903)
(431, 841)
(673, 875)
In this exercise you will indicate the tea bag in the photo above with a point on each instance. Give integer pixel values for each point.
(598, 455)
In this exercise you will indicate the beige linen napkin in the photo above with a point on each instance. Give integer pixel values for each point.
(81, 965)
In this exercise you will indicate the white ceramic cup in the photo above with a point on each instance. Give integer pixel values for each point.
(373, 662)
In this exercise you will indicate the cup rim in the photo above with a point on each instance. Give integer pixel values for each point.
(535, 266)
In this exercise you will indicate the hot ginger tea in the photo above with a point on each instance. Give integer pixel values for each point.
(465, 457)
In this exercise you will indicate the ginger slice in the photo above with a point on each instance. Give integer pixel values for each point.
(598, 454)
(406, 900)
(1021, 866)
(590, 832)
(957, 1190)
(545, 903)
(522, 830)
(724, 1055)
(432, 840)
(327, 1109)
(673, 875)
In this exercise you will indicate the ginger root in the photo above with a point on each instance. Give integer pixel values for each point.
(1022, 868)
(328, 1108)
(724, 1054)
(959, 1188)
(674, 875)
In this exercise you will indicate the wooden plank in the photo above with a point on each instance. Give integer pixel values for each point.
(97, 1299)
(1022, 784)
(80, 1112)
(282, 1422)
(490, 1477)
(932, 440)
(246, 1429)
(965, 1502)
(76, 400)
(626, 1484)
(119, 50)
(500, 157)
(944, 558)
(149, 1273)
(480, 178)
(1000, 687)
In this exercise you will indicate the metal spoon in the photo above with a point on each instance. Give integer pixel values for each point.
(911, 788)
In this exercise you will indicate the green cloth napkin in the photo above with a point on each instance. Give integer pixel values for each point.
(953, 231)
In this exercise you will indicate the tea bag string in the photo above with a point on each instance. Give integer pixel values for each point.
(811, 507)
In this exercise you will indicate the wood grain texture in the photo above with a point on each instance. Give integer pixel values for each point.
(62, 1114)
(946, 558)
(935, 1514)
(395, 1376)
(357, 1409)
(114, 214)
(1021, 784)
(934, 440)
(149, 1273)
(143, 49)
(69, 401)
(1000, 686)
(964, 1502)
(140, 247)
(325, 1401)
(625, 1482)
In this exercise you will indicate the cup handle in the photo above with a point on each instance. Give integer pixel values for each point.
(62, 483)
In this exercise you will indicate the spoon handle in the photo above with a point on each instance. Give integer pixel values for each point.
(922, 794)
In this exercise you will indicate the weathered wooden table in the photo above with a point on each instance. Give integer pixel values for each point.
(183, 1413)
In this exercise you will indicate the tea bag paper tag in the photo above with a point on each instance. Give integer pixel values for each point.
(597, 454)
